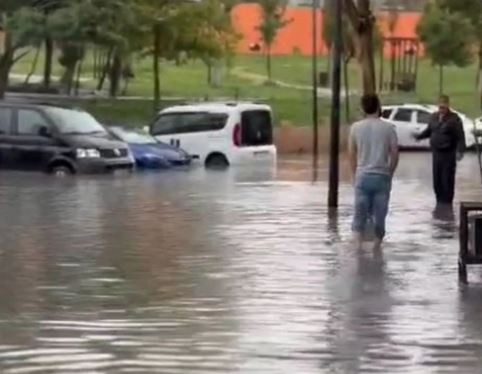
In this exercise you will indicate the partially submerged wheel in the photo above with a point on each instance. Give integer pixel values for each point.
(61, 171)
(217, 161)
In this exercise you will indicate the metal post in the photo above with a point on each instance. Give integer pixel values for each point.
(335, 110)
(315, 87)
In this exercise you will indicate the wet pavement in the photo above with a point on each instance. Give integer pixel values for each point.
(244, 271)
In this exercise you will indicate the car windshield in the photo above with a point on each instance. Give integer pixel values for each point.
(134, 137)
(78, 122)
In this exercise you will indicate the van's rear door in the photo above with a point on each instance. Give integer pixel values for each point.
(257, 128)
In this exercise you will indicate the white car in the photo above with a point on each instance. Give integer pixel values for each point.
(478, 125)
(412, 119)
(219, 134)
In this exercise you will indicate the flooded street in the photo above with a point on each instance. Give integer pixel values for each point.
(243, 271)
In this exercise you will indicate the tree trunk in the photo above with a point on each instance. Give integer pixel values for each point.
(479, 74)
(363, 22)
(49, 53)
(4, 71)
(115, 74)
(79, 76)
(6, 62)
(95, 65)
(268, 63)
(209, 66)
(328, 65)
(367, 61)
(33, 68)
(67, 79)
(441, 80)
(155, 67)
(381, 77)
(105, 70)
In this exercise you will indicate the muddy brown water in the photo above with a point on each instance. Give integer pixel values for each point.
(236, 272)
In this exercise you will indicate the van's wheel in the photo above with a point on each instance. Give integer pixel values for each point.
(217, 161)
(61, 171)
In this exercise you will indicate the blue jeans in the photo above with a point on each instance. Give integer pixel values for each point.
(372, 195)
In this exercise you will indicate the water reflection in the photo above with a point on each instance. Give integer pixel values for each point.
(244, 271)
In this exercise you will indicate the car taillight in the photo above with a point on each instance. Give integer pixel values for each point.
(237, 135)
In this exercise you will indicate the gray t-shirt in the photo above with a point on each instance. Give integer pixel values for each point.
(373, 138)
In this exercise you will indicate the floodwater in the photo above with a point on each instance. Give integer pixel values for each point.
(236, 272)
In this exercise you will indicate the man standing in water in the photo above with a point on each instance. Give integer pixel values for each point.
(447, 140)
(373, 153)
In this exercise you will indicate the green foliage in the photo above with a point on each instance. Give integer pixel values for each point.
(26, 27)
(273, 12)
(448, 36)
(470, 9)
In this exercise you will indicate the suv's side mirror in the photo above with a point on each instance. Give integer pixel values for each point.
(44, 132)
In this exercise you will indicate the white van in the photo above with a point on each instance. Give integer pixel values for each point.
(219, 134)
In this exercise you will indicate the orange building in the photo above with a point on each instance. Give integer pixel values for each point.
(296, 37)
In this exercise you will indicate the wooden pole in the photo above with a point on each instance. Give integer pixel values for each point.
(335, 110)
(315, 86)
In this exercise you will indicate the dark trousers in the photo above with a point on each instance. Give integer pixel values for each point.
(444, 168)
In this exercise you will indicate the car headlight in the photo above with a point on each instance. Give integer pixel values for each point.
(87, 153)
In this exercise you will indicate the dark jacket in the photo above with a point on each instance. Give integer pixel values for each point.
(446, 135)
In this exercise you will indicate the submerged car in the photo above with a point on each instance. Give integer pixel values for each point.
(57, 140)
(219, 134)
(478, 127)
(411, 119)
(149, 153)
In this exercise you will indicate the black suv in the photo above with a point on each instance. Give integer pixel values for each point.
(57, 140)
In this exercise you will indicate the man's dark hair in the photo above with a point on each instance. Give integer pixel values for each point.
(370, 104)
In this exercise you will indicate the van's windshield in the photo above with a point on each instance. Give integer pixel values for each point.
(75, 122)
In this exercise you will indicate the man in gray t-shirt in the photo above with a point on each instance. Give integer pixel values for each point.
(373, 150)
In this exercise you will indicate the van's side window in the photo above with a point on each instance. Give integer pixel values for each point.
(30, 122)
(179, 123)
(5, 120)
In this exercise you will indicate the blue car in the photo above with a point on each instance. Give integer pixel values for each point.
(150, 153)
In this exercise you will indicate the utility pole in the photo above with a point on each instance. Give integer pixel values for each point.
(315, 86)
(335, 109)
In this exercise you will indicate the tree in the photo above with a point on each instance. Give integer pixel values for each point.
(20, 23)
(363, 23)
(67, 26)
(447, 37)
(48, 7)
(273, 20)
(209, 35)
(472, 10)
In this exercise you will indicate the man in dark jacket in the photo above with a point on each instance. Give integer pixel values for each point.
(447, 140)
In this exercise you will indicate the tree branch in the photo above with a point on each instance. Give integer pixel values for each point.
(20, 56)
(352, 12)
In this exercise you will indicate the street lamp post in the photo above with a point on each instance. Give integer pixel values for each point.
(315, 87)
(335, 109)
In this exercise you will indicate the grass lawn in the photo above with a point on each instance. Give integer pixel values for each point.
(246, 80)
